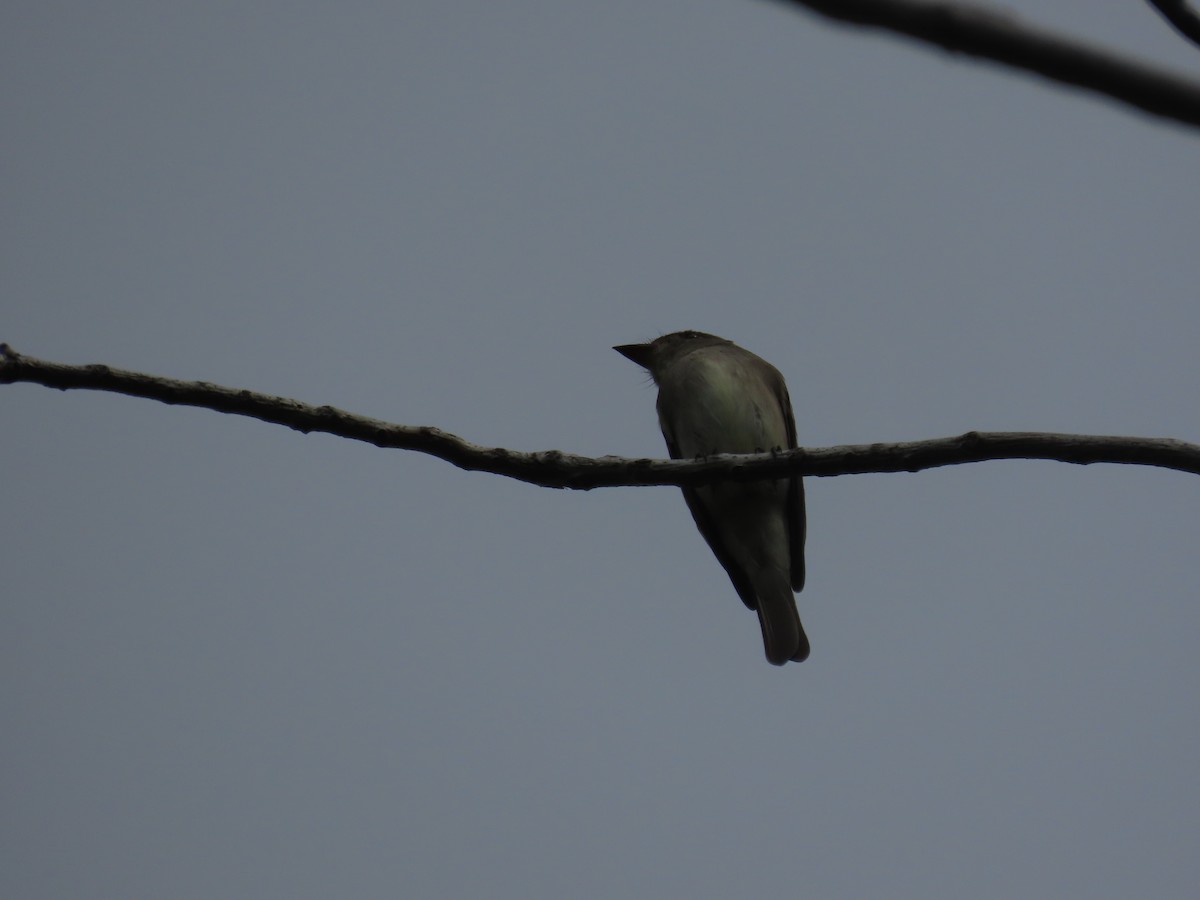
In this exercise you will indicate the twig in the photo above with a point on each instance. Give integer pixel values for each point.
(994, 35)
(1177, 13)
(552, 468)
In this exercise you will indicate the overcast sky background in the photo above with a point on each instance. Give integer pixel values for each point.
(236, 661)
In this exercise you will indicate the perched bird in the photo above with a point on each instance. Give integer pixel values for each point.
(714, 397)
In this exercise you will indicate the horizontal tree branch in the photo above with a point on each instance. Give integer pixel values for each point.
(552, 468)
(996, 35)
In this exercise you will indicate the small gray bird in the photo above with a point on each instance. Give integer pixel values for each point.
(714, 397)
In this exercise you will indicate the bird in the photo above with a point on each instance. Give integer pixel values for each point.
(716, 397)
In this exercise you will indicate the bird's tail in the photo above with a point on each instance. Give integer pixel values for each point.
(783, 635)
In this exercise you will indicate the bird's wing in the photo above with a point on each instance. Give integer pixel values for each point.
(704, 522)
(797, 524)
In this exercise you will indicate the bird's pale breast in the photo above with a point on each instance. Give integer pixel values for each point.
(729, 408)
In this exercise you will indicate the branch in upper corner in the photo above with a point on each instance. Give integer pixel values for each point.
(996, 35)
(552, 468)
(1178, 14)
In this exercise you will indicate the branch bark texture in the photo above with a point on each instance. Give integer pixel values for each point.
(552, 468)
(995, 35)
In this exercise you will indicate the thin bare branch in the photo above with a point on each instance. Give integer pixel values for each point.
(1176, 12)
(995, 35)
(552, 468)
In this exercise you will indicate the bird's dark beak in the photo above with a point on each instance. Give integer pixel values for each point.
(638, 353)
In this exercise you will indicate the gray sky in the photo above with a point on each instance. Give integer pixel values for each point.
(241, 662)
